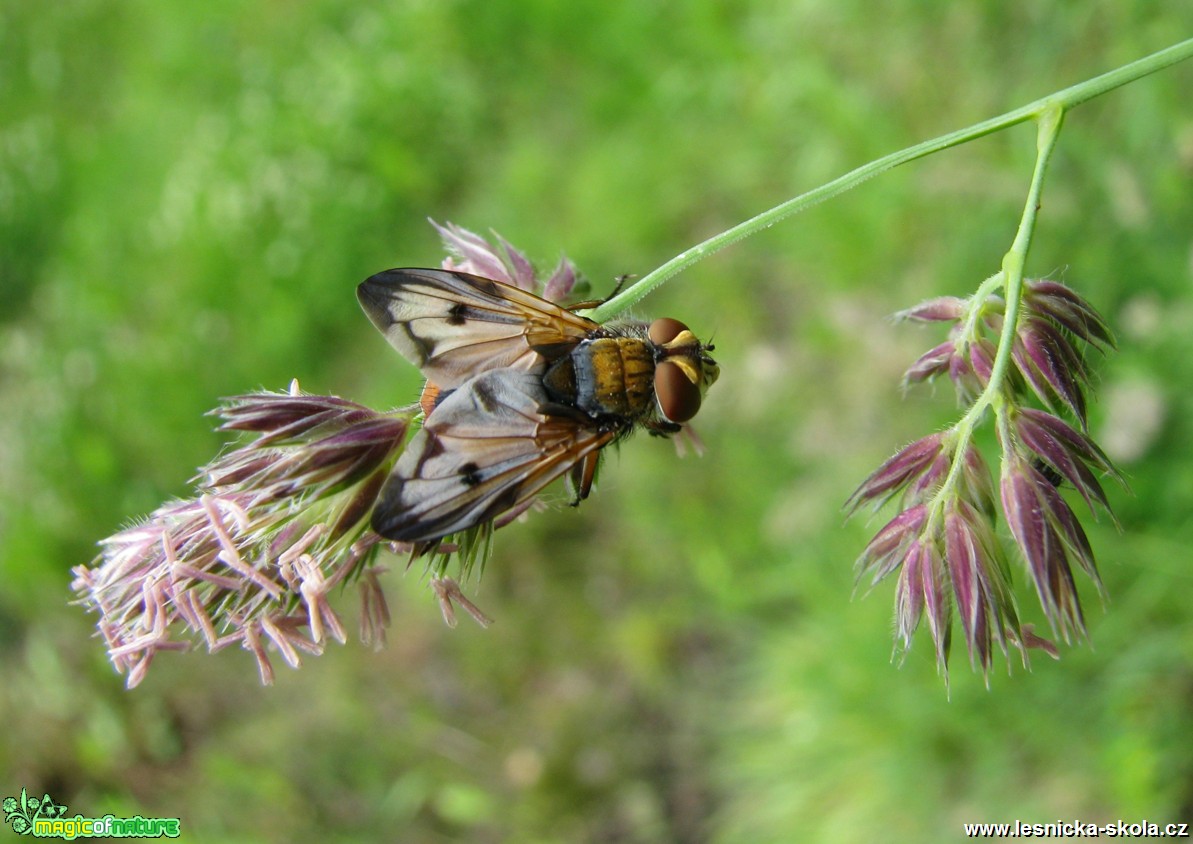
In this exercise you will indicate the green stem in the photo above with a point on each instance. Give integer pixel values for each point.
(1060, 101)
(1015, 260)
(1011, 280)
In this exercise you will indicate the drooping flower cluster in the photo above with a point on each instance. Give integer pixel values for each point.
(943, 541)
(280, 521)
(274, 526)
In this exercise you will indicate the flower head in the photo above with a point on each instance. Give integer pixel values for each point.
(943, 543)
(275, 524)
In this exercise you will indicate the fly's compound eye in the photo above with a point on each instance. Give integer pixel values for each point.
(665, 329)
(679, 398)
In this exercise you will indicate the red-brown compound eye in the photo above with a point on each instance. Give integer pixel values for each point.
(679, 398)
(665, 329)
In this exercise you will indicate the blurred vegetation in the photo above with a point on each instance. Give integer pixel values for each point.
(189, 194)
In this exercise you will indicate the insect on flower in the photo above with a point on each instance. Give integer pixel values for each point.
(520, 391)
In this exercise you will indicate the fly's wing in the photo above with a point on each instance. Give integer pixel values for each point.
(489, 446)
(453, 325)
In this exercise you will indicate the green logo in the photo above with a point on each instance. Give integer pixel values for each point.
(46, 818)
(21, 814)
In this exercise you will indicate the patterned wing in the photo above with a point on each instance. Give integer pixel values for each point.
(453, 325)
(488, 447)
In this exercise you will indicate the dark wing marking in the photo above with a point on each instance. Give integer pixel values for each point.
(486, 448)
(453, 325)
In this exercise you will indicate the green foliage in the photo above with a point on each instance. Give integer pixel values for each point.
(189, 194)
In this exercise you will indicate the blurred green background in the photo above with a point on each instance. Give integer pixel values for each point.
(189, 194)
